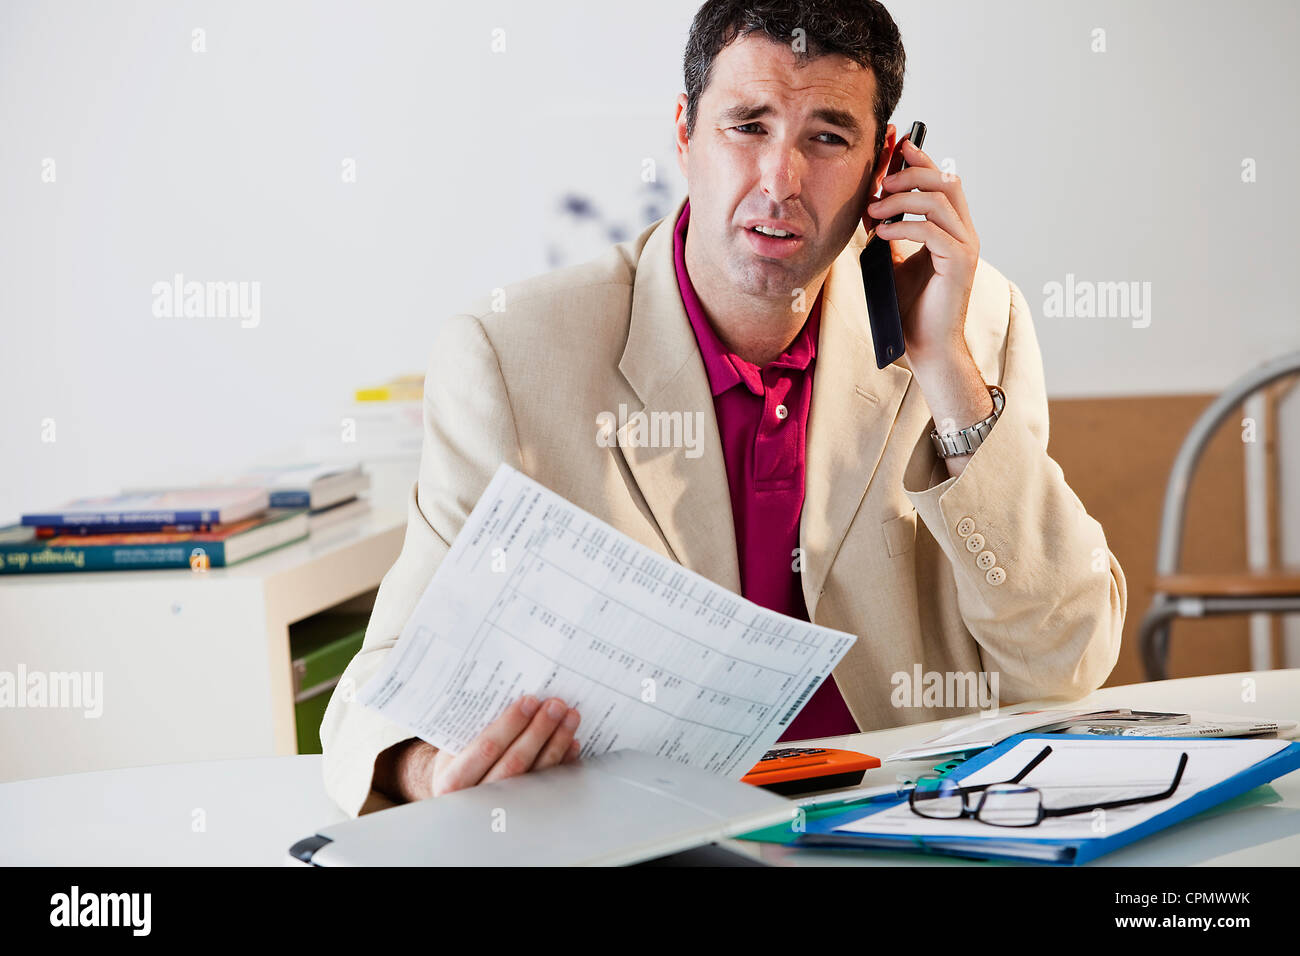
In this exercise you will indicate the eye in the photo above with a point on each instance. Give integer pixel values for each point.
(836, 136)
(741, 128)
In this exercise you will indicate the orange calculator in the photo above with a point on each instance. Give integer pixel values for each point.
(805, 769)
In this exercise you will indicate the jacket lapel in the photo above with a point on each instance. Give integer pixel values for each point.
(688, 496)
(853, 410)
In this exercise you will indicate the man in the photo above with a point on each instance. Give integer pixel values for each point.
(815, 487)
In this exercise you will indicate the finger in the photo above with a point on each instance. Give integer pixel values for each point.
(914, 155)
(560, 743)
(575, 750)
(895, 163)
(892, 184)
(942, 246)
(520, 756)
(930, 179)
(895, 158)
(934, 206)
(469, 766)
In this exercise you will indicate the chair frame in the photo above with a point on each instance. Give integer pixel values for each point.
(1153, 635)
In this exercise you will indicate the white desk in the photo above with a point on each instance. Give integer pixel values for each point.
(195, 665)
(254, 810)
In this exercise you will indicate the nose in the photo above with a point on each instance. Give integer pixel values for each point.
(782, 170)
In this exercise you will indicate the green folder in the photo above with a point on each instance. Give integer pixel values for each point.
(321, 647)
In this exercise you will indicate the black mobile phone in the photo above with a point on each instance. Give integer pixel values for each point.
(878, 277)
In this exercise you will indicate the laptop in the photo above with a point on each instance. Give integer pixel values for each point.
(622, 807)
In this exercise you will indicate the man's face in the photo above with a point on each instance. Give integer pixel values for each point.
(779, 142)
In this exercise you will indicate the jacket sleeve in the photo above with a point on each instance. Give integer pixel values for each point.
(469, 430)
(1049, 623)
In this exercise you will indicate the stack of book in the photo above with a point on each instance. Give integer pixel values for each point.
(196, 528)
(330, 493)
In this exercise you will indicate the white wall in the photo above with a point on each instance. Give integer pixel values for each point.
(226, 165)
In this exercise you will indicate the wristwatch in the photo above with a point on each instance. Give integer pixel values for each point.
(968, 439)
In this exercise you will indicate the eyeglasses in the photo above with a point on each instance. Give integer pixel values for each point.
(1008, 804)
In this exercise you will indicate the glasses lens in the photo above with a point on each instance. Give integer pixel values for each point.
(937, 798)
(1009, 805)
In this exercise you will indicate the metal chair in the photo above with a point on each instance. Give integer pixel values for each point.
(1199, 595)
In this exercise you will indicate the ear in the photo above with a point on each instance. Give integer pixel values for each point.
(679, 135)
(882, 161)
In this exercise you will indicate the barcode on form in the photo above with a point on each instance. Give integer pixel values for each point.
(794, 708)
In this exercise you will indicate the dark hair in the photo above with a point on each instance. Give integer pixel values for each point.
(861, 30)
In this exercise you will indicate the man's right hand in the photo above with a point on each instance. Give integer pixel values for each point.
(529, 735)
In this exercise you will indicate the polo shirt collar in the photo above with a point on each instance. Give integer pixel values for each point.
(724, 368)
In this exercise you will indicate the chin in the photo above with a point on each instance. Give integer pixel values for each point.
(767, 279)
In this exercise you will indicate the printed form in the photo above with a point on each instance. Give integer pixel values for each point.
(536, 596)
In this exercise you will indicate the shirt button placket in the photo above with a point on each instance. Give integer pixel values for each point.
(772, 438)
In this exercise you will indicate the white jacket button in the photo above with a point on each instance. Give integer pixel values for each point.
(986, 560)
(995, 576)
(965, 526)
(975, 543)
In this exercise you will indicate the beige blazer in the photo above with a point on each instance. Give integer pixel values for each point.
(528, 378)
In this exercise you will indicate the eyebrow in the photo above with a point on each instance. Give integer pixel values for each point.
(745, 112)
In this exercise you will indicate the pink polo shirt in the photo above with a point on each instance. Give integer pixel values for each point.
(763, 420)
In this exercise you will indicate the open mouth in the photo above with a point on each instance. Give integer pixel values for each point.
(770, 242)
(772, 233)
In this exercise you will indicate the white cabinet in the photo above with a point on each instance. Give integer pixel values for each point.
(193, 665)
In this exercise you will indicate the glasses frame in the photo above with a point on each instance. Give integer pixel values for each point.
(1043, 812)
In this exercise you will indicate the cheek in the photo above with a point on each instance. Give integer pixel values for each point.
(728, 170)
(846, 202)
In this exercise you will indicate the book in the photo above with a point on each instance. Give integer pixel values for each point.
(315, 486)
(48, 531)
(320, 519)
(151, 550)
(153, 510)
(337, 514)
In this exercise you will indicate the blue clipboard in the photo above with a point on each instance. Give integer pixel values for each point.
(1068, 852)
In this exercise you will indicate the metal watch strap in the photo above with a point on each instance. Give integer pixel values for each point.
(967, 440)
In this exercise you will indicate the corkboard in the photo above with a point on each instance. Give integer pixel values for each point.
(1116, 454)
